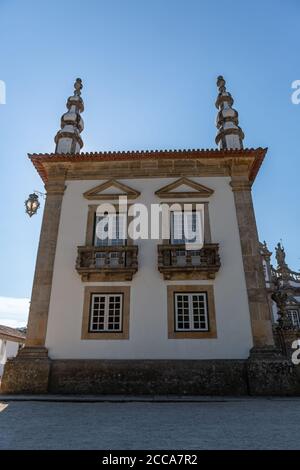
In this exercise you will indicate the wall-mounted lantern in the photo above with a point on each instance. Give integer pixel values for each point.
(32, 203)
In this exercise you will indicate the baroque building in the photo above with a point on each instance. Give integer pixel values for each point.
(283, 287)
(289, 283)
(149, 315)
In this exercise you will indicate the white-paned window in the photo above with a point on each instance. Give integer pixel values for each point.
(294, 316)
(106, 312)
(110, 230)
(191, 311)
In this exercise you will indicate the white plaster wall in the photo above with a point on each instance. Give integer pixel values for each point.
(7, 349)
(148, 306)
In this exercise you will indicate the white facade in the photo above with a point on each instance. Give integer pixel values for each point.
(148, 326)
(7, 349)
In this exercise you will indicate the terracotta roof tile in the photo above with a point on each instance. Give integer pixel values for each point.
(12, 332)
(38, 159)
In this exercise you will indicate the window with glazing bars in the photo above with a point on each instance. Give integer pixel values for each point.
(191, 311)
(106, 312)
(294, 317)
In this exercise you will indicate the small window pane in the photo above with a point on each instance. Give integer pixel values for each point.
(294, 316)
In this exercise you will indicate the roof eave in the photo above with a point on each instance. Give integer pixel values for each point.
(39, 160)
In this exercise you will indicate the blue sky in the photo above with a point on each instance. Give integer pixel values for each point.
(149, 69)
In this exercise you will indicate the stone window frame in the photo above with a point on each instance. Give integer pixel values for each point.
(191, 319)
(109, 302)
(86, 334)
(91, 220)
(211, 312)
(207, 229)
(293, 314)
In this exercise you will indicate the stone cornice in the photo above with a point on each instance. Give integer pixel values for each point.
(240, 184)
(195, 162)
(56, 177)
(55, 187)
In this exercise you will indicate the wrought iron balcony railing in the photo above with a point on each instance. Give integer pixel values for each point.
(107, 263)
(176, 262)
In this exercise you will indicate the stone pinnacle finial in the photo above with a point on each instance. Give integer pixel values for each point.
(221, 84)
(264, 250)
(68, 138)
(229, 135)
(78, 87)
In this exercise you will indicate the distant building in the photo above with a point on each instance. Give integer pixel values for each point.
(11, 340)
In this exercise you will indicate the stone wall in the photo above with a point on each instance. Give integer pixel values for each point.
(284, 340)
(149, 377)
(256, 376)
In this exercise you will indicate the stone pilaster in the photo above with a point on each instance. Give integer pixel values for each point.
(257, 295)
(29, 371)
(41, 291)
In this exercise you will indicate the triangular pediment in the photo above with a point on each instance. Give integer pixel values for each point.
(183, 188)
(111, 189)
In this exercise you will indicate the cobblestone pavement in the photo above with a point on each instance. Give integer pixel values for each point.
(195, 423)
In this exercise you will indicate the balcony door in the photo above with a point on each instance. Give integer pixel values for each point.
(110, 230)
